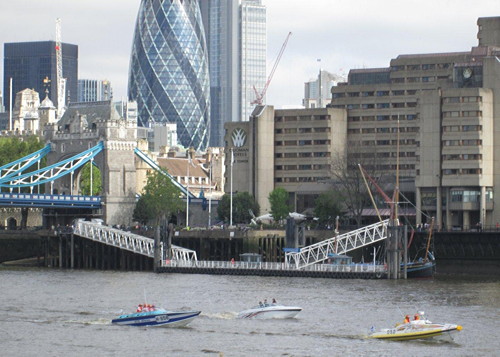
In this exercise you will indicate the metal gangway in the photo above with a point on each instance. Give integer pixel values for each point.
(319, 252)
(127, 240)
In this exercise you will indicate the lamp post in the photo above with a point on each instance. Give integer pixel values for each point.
(231, 195)
(210, 196)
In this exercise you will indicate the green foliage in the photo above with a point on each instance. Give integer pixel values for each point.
(13, 148)
(159, 200)
(85, 180)
(278, 199)
(328, 206)
(242, 203)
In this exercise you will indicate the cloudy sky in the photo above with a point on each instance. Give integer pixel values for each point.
(344, 34)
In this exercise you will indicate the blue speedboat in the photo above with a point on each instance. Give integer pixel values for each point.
(157, 318)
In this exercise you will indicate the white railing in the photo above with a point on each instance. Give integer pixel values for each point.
(319, 252)
(212, 264)
(127, 241)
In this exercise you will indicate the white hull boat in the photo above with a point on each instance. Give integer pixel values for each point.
(270, 311)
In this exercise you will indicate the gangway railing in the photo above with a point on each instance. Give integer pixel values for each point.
(319, 252)
(155, 166)
(127, 240)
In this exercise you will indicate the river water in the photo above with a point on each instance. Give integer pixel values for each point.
(48, 312)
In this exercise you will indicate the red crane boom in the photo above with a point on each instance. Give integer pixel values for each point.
(259, 97)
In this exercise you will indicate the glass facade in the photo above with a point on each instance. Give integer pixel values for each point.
(220, 19)
(169, 75)
(253, 44)
(28, 63)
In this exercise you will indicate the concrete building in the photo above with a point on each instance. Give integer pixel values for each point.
(93, 90)
(289, 148)
(439, 113)
(29, 63)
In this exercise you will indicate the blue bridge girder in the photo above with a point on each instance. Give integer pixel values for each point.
(17, 167)
(49, 201)
(52, 172)
(155, 166)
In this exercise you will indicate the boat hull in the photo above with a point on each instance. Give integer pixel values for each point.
(421, 270)
(160, 318)
(423, 332)
(270, 312)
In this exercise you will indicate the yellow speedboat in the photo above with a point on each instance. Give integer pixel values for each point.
(419, 328)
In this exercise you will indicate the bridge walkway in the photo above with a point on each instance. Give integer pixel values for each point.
(127, 240)
(319, 252)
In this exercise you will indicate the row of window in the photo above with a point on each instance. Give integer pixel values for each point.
(386, 154)
(376, 105)
(471, 195)
(299, 179)
(302, 167)
(383, 130)
(461, 128)
(475, 142)
(301, 118)
(447, 172)
(293, 155)
(379, 93)
(301, 142)
(381, 117)
(417, 67)
(302, 130)
(383, 142)
(462, 157)
(464, 113)
(468, 99)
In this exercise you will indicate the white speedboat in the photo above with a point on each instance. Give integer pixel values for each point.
(157, 317)
(420, 328)
(270, 311)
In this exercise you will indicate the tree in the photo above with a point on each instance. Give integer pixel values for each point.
(278, 199)
(328, 206)
(159, 200)
(85, 180)
(242, 203)
(349, 182)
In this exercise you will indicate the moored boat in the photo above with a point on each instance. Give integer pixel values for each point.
(270, 311)
(420, 328)
(157, 317)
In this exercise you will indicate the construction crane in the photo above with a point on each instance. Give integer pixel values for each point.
(259, 97)
(60, 81)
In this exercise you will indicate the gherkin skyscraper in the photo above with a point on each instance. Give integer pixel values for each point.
(169, 75)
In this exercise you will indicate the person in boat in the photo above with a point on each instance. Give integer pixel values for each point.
(260, 304)
(274, 301)
(265, 302)
(416, 317)
(139, 308)
(407, 319)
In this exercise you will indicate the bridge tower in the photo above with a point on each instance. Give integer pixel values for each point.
(83, 126)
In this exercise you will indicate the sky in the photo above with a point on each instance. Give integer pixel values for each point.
(342, 34)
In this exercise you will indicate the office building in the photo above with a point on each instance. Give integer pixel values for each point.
(236, 41)
(93, 90)
(288, 148)
(317, 92)
(29, 63)
(438, 113)
(220, 20)
(253, 51)
(169, 76)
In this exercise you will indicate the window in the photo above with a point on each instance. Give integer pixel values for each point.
(382, 93)
(382, 105)
(452, 100)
